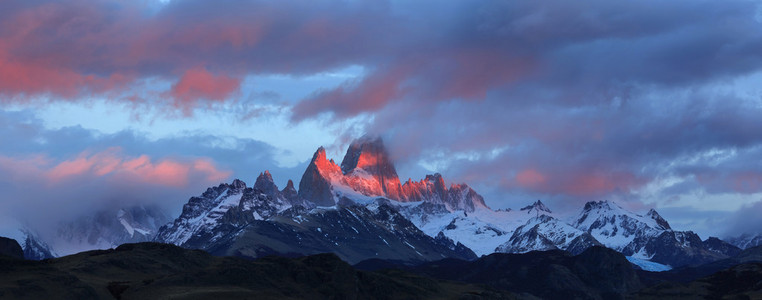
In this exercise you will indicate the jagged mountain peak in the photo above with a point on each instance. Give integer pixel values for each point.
(746, 240)
(537, 206)
(236, 184)
(319, 154)
(545, 232)
(289, 186)
(367, 172)
(659, 220)
(435, 177)
(321, 161)
(366, 153)
(266, 184)
(317, 179)
(603, 204)
(265, 176)
(433, 189)
(609, 209)
(367, 157)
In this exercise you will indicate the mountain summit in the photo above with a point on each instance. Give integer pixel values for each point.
(536, 208)
(367, 157)
(367, 172)
(317, 179)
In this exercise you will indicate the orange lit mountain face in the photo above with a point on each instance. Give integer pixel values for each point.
(433, 189)
(316, 180)
(365, 157)
(368, 170)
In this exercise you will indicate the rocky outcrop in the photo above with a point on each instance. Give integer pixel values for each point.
(315, 185)
(266, 184)
(433, 189)
(368, 160)
(289, 195)
(368, 170)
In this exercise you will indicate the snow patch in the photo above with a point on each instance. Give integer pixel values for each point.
(648, 265)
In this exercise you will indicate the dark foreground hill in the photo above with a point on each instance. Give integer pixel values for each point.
(10, 248)
(596, 273)
(162, 271)
(742, 281)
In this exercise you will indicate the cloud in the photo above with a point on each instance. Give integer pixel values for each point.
(42, 191)
(140, 170)
(553, 53)
(704, 135)
(569, 101)
(49, 175)
(198, 84)
(745, 220)
(91, 47)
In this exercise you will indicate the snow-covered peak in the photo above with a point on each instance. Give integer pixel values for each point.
(617, 227)
(536, 208)
(238, 184)
(215, 211)
(661, 222)
(746, 240)
(594, 211)
(545, 232)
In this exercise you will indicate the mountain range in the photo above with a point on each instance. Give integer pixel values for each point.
(359, 209)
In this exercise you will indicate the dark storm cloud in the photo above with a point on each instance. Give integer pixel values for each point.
(558, 53)
(589, 152)
(425, 51)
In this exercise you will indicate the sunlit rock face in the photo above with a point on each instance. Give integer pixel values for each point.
(430, 189)
(315, 185)
(433, 189)
(370, 170)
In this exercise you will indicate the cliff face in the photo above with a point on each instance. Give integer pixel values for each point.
(433, 189)
(367, 169)
(367, 164)
(315, 185)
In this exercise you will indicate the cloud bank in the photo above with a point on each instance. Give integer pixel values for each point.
(643, 102)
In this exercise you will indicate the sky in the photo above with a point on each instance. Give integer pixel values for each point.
(651, 104)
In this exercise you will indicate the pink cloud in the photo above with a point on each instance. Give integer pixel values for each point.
(595, 184)
(110, 164)
(371, 93)
(530, 178)
(572, 181)
(198, 84)
(463, 74)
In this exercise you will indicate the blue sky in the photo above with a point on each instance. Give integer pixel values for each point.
(646, 103)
